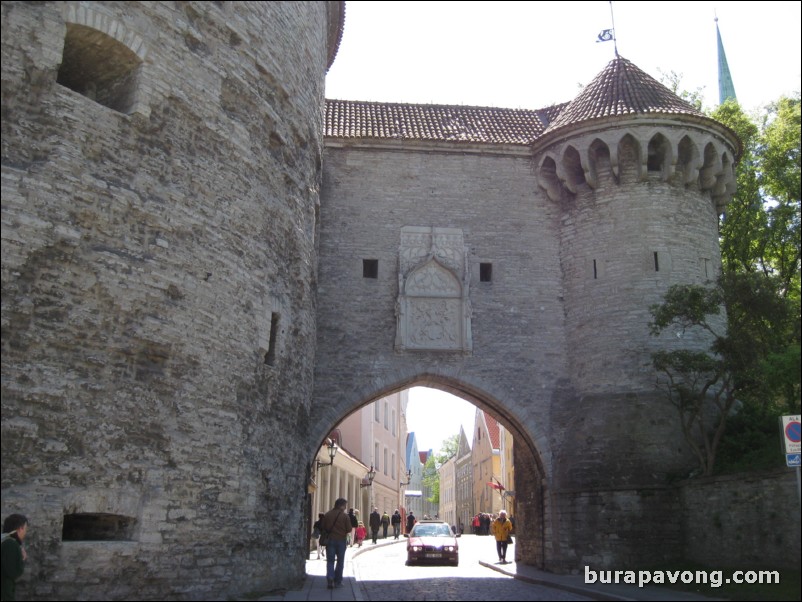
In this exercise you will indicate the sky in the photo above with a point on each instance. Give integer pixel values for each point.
(535, 54)
(435, 415)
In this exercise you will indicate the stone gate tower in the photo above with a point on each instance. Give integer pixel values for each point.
(161, 167)
(200, 279)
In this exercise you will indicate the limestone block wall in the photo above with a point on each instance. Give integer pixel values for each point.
(158, 308)
(516, 318)
(750, 521)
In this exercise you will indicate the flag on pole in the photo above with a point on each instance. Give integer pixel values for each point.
(606, 35)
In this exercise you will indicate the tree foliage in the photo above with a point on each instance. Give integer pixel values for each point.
(750, 374)
(431, 477)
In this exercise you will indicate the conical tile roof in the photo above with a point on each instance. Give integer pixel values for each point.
(621, 89)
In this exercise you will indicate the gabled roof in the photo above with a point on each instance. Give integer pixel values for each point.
(357, 119)
(621, 89)
(492, 431)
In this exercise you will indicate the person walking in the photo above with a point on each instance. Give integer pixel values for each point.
(352, 516)
(501, 528)
(396, 522)
(411, 520)
(385, 524)
(375, 523)
(361, 533)
(15, 528)
(336, 526)
(321, 550)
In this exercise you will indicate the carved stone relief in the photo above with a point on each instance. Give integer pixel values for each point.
(433, 308)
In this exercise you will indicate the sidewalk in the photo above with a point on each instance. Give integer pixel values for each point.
(598, 591)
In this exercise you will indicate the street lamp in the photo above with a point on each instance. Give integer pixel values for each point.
(409, 479)
(332, 447)
(367, 480)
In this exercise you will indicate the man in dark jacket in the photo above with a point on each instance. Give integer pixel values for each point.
(375, 523)
(396, 521)
(411, 520)
(15, 527)
(337, 526)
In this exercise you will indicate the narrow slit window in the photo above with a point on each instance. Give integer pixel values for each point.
(595, 272)
(485, 272)
(656, 262)
(270, 356)
(370, 268)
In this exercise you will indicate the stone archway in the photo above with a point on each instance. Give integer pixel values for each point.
(530, 482)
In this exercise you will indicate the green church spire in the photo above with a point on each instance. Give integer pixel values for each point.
(726, 89)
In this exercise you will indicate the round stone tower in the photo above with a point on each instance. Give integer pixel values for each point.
(640, 177)
(161, 166)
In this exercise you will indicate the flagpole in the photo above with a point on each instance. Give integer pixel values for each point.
(612, 18)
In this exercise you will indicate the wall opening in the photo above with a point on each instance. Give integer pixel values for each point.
(485, 272)
(370, 268)
(99, 67)
(270, 356)
(97, 526)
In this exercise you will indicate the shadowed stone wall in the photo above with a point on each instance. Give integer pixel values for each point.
(158, 276)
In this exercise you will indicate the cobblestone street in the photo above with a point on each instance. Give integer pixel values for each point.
(381, 574)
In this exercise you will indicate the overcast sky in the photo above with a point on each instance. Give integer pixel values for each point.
(534, 54)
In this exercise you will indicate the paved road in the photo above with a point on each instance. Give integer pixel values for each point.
(381, 574)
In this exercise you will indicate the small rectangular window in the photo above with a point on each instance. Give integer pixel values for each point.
(656, 262)
(485, 272)
(595, 272)
(370, 268)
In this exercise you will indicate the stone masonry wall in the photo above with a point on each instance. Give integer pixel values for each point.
(547, 358)
(369, 195)
(158, 308)
(745, 520)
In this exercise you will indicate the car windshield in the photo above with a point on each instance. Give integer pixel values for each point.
(432, 531)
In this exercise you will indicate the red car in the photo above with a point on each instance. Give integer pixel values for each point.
(432, 541)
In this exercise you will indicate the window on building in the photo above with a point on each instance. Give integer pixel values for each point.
(386, 412)
(377, 411)
(395, 433)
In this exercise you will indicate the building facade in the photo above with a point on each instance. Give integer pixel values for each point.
(448, 491)
(463, 476)
(486, 463)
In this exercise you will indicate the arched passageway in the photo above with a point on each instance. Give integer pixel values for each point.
(350, 478)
